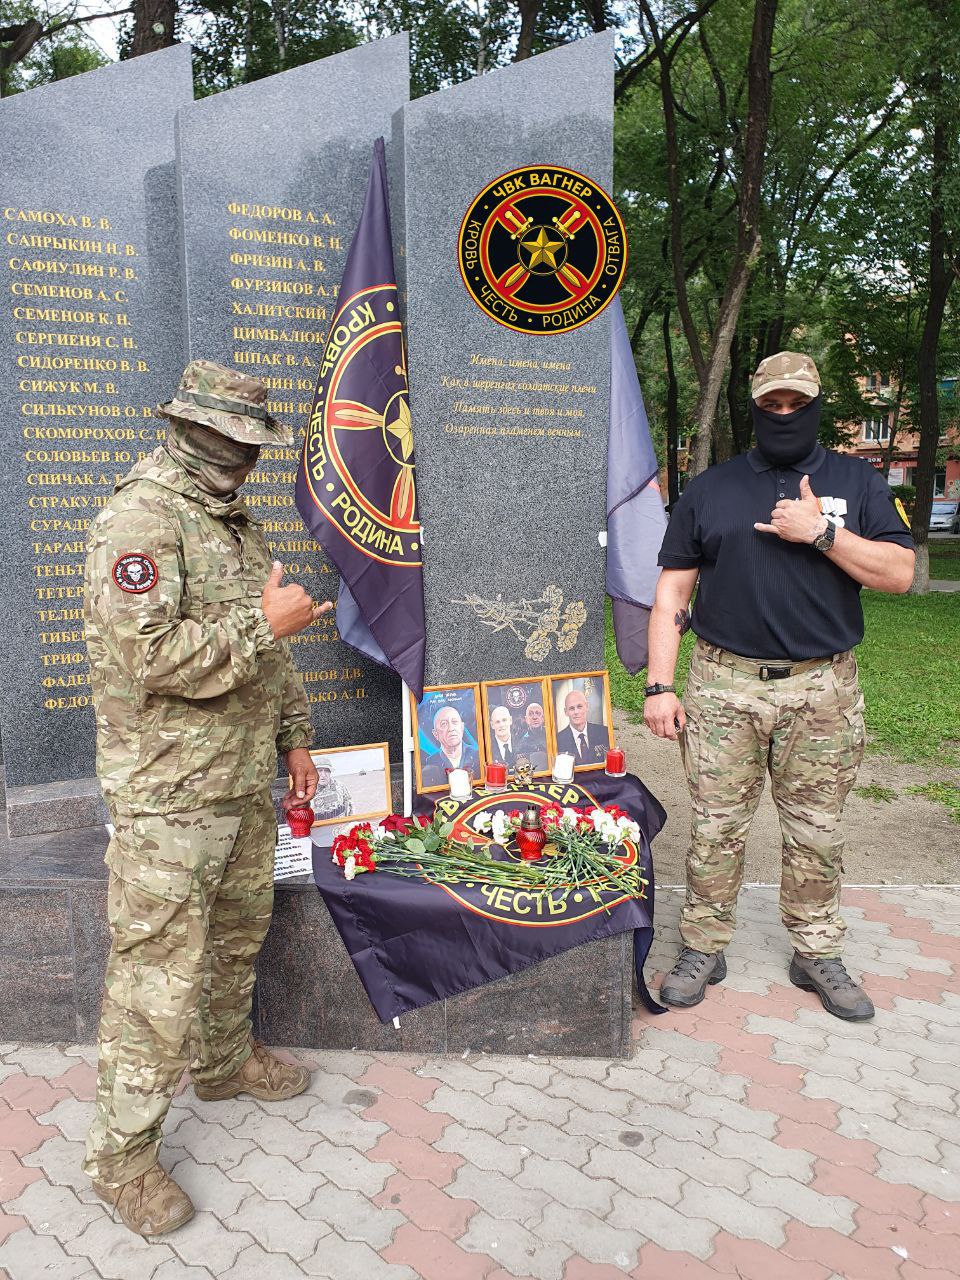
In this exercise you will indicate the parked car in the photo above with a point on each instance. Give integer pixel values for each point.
(945, 516)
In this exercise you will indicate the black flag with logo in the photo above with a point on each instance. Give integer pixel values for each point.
(356, 485)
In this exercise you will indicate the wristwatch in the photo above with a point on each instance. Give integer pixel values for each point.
(653, 689)
(824, 541)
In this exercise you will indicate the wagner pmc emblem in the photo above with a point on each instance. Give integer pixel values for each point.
(134, 573)
(358, 447)
(542, 249)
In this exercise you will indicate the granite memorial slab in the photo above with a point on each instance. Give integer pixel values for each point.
(272, 177)
(90, 341)
(511, 427)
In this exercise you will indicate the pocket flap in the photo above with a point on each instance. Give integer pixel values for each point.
(172, 883)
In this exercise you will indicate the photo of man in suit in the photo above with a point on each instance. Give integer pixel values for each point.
(585, 741)
(533, 736)
(454, 753)
(502, 744)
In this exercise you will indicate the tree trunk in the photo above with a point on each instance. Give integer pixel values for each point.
(673, 417)
(759, 83)
(940, 279)
(19, 40)
(280, 16)
(152, 25)
(529, 12)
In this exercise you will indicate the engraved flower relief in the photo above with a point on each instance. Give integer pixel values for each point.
(539, 623)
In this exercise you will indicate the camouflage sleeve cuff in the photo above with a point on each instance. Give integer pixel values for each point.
(292, 740)
(263, 636)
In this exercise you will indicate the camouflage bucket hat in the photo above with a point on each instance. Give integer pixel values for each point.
(786, 371)
(228, 402)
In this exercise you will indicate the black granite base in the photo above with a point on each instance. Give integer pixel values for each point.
(54, 943)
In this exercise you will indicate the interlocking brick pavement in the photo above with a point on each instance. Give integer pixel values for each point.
(752, 1137)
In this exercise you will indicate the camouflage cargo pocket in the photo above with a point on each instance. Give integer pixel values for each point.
(852, 730)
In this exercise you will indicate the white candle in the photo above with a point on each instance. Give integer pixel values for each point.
(563, 768)
(459, 781)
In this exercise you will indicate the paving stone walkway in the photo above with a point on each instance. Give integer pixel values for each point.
(754, 1137)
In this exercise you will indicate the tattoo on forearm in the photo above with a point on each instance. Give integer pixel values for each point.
(682, 619)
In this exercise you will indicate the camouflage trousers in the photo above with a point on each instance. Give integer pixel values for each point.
(807, 732)
(189, 905)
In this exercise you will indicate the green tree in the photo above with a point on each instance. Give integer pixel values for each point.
(39, 45)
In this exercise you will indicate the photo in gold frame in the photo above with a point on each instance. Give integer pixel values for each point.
(516, 722)
(354, 784)
(446, 735)
(581, 717)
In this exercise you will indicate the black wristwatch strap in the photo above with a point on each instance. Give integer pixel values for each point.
(825, 540)
(653, 689)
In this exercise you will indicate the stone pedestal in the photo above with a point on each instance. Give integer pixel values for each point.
(54, 945)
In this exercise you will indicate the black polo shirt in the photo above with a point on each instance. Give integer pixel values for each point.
(762, 597)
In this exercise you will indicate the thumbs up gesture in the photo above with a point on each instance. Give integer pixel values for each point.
(796, 519)
(288, 609)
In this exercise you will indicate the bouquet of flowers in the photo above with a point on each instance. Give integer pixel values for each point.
(583, 844)
(583, 849)
(421, 848)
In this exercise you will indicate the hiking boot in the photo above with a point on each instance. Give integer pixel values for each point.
(262, 1076)
(838, 992)
(686, 983)
(150, 1205)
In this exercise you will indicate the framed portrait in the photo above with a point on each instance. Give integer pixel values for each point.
(354, 784)
(446, 734)
(581, 717)
(516, 722)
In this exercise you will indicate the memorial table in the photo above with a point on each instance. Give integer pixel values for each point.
(413, 942)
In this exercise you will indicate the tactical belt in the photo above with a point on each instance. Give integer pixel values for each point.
(759, 668)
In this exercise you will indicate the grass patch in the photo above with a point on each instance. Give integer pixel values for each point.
(909, 669)
(874, 791)
(945, 559)
(944, 793)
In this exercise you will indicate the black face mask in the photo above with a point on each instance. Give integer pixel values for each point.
(786, 437)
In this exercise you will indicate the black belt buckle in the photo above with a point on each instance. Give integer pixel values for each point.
(774, 673)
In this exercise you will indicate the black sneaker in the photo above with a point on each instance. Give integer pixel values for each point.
(686, 983)
(838, 992)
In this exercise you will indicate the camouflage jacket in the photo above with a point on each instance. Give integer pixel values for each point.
(193, 694)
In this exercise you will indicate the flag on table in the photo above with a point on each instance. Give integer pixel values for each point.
(356, 485)
(635, 517)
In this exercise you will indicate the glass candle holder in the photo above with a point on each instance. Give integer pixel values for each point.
(616, 763)
(496, 776)
(563, 767)
(459, 783)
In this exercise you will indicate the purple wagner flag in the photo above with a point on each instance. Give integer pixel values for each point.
(356, 486)
(635, 517)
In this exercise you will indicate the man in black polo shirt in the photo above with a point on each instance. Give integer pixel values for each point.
(781, 540)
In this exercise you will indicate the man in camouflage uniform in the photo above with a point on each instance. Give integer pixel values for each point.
(332, 799)
(195, 693)
(780, 539)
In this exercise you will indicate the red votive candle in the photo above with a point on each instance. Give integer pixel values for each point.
(300, 820)
(616, 763)
(496, 774)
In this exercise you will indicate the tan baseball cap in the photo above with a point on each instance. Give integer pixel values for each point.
(787, 370)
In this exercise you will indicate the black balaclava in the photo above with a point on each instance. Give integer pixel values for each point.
(785, 438)
(215, 464)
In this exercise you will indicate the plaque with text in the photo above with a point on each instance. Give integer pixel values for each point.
(90, 341)
(272, 177)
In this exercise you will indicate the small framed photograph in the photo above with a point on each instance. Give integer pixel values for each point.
(446, 734)
(582, 719)
(354, 784)
(516, 722)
